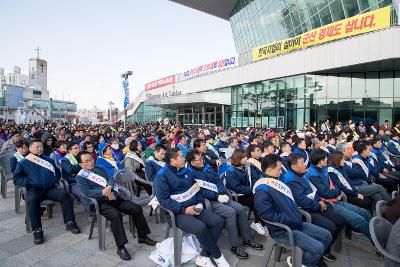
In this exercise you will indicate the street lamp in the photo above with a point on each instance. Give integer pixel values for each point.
(125, 76)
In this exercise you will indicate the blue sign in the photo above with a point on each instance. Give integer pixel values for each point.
(125, 86)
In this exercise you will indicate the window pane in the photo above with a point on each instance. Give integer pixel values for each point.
(332, 87)
(350, 8)
(320, 88)
(372, 84)
(397, 84)
(386, 84)
(325, 16)
(345, 85)
(358, 86)
(337, 10)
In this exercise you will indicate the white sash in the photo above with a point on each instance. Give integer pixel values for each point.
(331, 146)
(41, 162)
(18, 156)
(212, 148)
(255, 163)
(95, 178)
(325, 149)
(374, 156)
(314, 191)
(207, 185)
(349, 163)
(362, 164)
(397, 145)
(159, 162)
(388, 161)
(133, 156)
(191, 192)
(307, 159)
(283, 167)
(340, 176)
(275, 184)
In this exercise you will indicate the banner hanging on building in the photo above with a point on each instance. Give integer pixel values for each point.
(210, 67)
(366, 22)
(125, 86)
(160, 82)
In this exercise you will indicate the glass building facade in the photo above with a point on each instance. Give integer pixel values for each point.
(259, 22)
(369, 96)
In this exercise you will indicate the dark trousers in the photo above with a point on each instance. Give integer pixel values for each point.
(112, 211)
(365, 203)
(146, 187)
(329, 220)
(207, 227)
(248, 201)
(390, 183)
(35, 197)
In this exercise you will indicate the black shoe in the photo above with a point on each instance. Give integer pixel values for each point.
(321, 263)
(38, 237)
(146, 240)
(252, 244)
(73, 227)
(124, 254)
(329, 257)
(239, 252)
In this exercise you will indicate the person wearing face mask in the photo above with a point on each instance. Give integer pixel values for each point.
(117, 153)
(39, 175)
(107, 160)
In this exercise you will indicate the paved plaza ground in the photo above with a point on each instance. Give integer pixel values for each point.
(65, 249)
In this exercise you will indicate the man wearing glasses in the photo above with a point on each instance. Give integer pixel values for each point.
(95, 182)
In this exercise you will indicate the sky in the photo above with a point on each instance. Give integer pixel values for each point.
(88, 44)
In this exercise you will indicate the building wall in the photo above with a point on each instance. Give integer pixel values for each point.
(38, 73)
(258, 22)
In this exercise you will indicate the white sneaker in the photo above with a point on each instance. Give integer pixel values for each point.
(204, 261)
(221, 262)
(289, 261)
(258, 228)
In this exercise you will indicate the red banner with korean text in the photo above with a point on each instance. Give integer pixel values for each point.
(160, 82)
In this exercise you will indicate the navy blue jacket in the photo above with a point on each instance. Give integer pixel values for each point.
(320, 179)
(256, 173)
(13, 163)
(380, 160)
(221, 148)
(69, 171)
(391, 147)
(209, 175)
(169, 181)
(33, 176)
(271, 205)
(336, 181)
(303, 153)
(300, 187)
(237, 180)
(358, 172)
(93, 190)
(151, 168)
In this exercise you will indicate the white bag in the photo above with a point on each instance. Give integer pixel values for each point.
(164, 253)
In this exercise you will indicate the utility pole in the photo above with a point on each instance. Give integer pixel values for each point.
(110, 105)
(125, 85)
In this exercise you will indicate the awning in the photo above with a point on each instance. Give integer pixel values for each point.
(196, 98)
